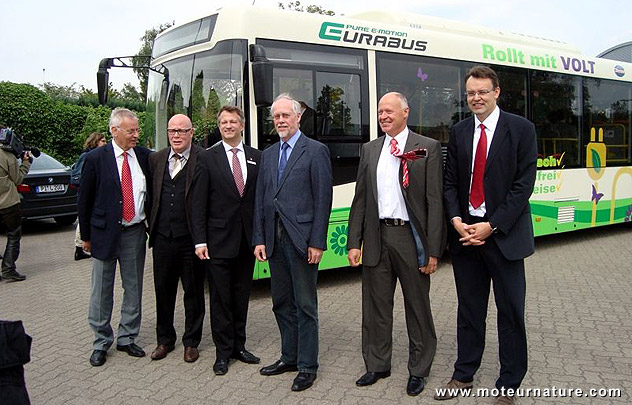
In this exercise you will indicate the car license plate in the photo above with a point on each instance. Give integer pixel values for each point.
(50, 188)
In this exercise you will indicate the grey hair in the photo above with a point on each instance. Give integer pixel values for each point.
(296, 106)
(118, 115)
(402, 98)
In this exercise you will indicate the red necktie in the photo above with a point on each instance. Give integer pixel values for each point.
(237, 174)
(477, 194)
(128, 191)
(394, 148)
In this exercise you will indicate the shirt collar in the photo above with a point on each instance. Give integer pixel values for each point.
(294, 139)
(228, 148)
(118, 151)
(490, 122)
(401, 139)
(184, 154)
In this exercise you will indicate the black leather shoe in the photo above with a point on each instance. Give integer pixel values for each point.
(220, 367)
(415, 385)
(370, 378)
(246, 357)
(303, 381)
(98, 358)
(132, 349)
(278, 367)
(13, 275)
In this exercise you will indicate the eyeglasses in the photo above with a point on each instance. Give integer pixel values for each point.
(480, 93)
(172, 131)
(130, 131)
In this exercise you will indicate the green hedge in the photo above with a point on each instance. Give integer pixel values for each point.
(55, 127)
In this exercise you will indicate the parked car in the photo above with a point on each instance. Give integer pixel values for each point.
(46, 192)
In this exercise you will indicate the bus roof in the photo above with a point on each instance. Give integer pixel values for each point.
(406, 33)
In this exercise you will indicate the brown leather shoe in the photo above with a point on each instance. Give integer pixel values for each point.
(505, 400)
(161, 351)
(191, 354)
(451, 389)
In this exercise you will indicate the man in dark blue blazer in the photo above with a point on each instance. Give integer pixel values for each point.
(292, 207)
(489, 176)
(112, 205)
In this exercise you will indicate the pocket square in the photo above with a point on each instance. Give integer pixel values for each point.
(251, 162)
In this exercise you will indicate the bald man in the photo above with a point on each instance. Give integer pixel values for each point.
(172, 170)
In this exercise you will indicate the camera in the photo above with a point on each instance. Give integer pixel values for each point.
(12, 142)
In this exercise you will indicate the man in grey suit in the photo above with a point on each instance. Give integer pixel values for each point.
(292, 207)
(397, 213)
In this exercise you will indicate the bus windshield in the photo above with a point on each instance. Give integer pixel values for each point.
(197, 86)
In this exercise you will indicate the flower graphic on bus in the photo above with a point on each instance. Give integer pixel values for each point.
(628, 214)
(338, 240)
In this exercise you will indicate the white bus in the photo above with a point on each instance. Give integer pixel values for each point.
(340, 66)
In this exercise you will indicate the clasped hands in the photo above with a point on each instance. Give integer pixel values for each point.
(474, 234)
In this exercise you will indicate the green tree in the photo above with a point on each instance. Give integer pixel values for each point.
(312, 8)
(141, 59)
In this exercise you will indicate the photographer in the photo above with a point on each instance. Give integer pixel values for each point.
(12, 174)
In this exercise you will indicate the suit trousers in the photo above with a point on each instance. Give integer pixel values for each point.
(131, 261)
(175, 260)
(474, 267)
(295, 302)
(230, 282)
(398, 260)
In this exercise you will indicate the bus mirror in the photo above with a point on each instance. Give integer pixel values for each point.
(261, 76)
(102, 80)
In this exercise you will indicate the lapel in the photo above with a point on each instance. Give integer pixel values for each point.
(159, 170)
(468, 139)
(297, 151)
(190, 166)
(413, 142)
(224, 167)
(500, 134)
(111, 169)
(250, 169)
(374, 155)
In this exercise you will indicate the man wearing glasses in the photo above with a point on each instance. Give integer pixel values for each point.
(172, 170)
(111, 206)
(489, 176)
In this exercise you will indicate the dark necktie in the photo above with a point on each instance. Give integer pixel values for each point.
(128, 190)
(237, 174)
(283, 160)
(477, 194)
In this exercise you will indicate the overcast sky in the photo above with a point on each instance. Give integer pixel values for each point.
(63, 41)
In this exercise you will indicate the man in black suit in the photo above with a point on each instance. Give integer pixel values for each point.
(292, 208)
(224, 200)
(397, 213)
(490, 173)
(113, 201)
(172, 171)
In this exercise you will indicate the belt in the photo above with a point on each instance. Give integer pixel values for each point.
(128, 227)
(393, 222)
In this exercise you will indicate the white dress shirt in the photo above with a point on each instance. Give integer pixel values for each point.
(139, 183)
(390, 200)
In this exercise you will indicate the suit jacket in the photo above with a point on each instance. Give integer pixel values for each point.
(423, 199)
(508, 182)
(157, 165)
(218, 207)
(100, 202)
(301, 199)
